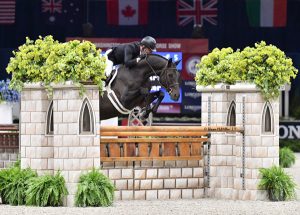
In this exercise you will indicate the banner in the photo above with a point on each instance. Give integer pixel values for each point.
(197, 46)
(289, 130)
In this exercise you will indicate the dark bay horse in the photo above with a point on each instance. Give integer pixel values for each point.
(131, 87)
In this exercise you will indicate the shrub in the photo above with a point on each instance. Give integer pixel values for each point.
(94, 189)
(48, 61)
(294, 145)
(46, 190)
(14, 183)
(279, 185)
(264, 65)
(286, 157)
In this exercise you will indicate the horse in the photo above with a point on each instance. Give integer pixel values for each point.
(130, 87)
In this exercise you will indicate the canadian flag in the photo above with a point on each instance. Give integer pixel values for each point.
(127, 12)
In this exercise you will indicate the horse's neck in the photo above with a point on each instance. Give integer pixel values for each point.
(153, 64)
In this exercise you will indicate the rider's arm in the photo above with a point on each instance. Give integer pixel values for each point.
(129, 62)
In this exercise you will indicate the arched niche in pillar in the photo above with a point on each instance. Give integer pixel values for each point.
(86, 119)
(49, 120)
(231, 114)
(267, 119)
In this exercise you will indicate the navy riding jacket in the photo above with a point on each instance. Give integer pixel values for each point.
(125, 54)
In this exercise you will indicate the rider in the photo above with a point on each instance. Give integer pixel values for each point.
(129, 53)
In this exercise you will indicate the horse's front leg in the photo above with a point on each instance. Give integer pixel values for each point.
(160, 96)
(150, 98)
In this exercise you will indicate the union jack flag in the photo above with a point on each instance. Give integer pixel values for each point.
(196, 11)
(52, 6)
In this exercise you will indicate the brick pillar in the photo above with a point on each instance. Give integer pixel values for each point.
(36, 147)
(261, 149)
(74, 153)
(234, 169)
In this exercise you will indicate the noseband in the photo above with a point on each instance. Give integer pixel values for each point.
(163, 72)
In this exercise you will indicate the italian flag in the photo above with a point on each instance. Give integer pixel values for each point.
(267, 13)
(127, 12)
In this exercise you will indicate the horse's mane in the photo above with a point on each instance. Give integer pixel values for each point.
(157, 55)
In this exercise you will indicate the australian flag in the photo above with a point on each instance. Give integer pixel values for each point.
(62, 12)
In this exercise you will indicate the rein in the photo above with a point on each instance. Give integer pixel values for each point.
(163, 71)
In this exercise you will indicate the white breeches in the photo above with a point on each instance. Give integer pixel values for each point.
(109, 64)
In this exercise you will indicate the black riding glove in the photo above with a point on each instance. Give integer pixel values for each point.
(143, 56)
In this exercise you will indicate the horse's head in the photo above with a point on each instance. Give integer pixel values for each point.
(169, 78)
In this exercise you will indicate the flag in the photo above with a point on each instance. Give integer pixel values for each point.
(7, 11)
(62, 12)
(196, 11)
(127, 12)
(267, 13)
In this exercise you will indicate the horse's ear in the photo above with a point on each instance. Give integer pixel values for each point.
(177, 62)
(169, 62)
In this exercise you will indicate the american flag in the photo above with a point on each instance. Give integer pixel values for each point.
(7, 11)
(196, 11)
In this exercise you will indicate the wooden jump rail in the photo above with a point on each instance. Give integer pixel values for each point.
(9, 136)
(122, 143)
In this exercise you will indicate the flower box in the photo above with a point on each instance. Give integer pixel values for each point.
(5, 113)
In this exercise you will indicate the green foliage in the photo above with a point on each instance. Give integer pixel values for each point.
(46, 190)
(294, 145)
(264, 65)
(17, 163)
(94, 189)
(286, 157)
(280, 185)
(48, 61)
(14, 183)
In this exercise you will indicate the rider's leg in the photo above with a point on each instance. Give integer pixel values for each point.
(109, 63)
(108, 67)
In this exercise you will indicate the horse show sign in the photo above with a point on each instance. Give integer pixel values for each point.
(289, 130)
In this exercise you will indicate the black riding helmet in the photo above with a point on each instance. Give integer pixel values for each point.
(149, 42)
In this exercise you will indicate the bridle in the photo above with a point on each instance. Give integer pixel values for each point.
(163, 72)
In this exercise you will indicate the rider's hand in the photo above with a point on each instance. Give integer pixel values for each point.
(138, 59)
(142, 56)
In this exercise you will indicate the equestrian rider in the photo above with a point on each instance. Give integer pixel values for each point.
(129, 54)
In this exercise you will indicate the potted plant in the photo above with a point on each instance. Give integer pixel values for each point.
(264, 65)
(286, 157)
(48, 61)
(7, 98)
(279, 185)
(94, 189)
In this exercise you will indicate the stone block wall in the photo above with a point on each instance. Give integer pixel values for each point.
(8, 157)
(261, 149)
(157, 180)
(36, 146)
(74, 153)
(234, 164)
